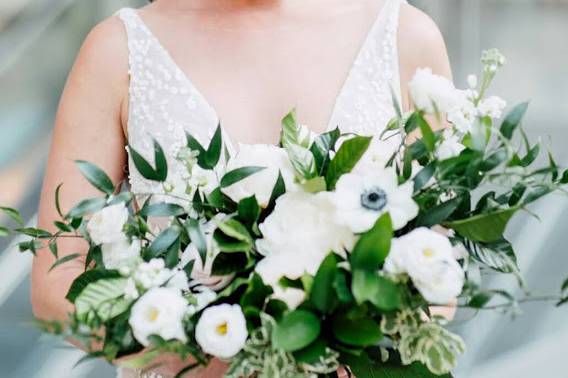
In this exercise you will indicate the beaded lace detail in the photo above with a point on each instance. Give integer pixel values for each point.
(164, 104)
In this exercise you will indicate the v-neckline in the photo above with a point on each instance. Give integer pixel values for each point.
(368, 38)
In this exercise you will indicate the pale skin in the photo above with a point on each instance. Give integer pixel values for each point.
(253, 61)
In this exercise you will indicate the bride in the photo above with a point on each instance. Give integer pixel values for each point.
(184, 65)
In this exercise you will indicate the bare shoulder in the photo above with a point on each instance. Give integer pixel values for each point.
(103, 57)
(421, 43)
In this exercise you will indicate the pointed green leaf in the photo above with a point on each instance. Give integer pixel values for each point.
(213, 153)
(513, 119)
(348, 155)
(295, 331)
(236, 175)
(96, 176)
(373, 246)
(64, 260)
(13, 214)
(322, 294)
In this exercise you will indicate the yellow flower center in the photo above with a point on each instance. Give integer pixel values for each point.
(428, 252)
(153, 314)
(222, 329)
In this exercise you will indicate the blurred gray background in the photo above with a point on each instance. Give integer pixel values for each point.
(39, 40)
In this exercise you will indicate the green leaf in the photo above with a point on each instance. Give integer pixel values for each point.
(64, 260)
(256, 293)
(249, 210)
(13, 214)
(213, 154)
(34, 232)
(484, 227)
(312, 353)
(53, 248)
(236, 175)
(81, 282)
(58, 200)
(229, 263)
(96, 176)
(341, 288)
(315, 185)
(289, 134)
(359, 332)
(348, 155)
(322, 294)
(63, 226)
(197, 238)
(513, 119)
(428, 136)
(160, 173)
(498, 255)
(373, 246)
(163, 241)
(531, 156)
(161, 210)
(302, 160)
(438, 213)
(424, 176)
(295, 331)
(278, 190)
(4, 232)
(86, 206)
(103, 297)
(494, 160)
(171, 258)
(380, 291)
(235, 229)
(322, 146)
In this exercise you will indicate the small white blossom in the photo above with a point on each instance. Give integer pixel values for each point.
(472, 81)
(378, 155)
(464, 113)
(260, 184)
(159, 312)
(203, 297)
(432, 93)
(107, 224)
(222, 331)
(130, 290)
(121, 253)
(450, 146)
(492, 107)
(428, 258)
(361, 199)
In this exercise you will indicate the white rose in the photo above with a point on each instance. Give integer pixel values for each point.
(428, 258)
(293, 266)
(492, 107)
(107, 224)
(121, 253)
(450, 146)
(302, 223)
(432, 92)
(260, 184)
(222, 330)
(159, 312)
(361, 199)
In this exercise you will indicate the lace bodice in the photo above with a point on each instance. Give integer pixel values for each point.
(164, 104)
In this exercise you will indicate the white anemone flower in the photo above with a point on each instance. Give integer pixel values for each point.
(159, 312)
(361, 199)
(222, 330)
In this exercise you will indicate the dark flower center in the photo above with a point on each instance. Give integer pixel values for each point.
(374, 199)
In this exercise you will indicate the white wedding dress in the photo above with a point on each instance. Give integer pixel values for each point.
(164, 104)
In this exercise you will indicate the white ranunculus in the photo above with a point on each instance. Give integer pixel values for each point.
(159, 312)
(293, 266)
(428, 258)
(432, 92)
(260, 184)
(492, 107)
(450, 146)
(361, 199)
(222, 330)
(302, 223)
(154, 273)
(107, 224)
(121, 253)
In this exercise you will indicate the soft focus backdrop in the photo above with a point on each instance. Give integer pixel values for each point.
(38, 43)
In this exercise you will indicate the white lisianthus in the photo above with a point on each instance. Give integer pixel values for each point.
(159, 312)
(450, 146)
(432, 92)
(260, 184)
(121, 253)
(302, 223)
(107, 224)
(222, 330)
(293, 266)
(361, 199)
(201, 299)
(428, 258)
(492, 107)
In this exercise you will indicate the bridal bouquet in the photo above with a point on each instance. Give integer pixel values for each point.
(326, 250)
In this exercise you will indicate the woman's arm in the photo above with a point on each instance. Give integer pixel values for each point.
(87, 127)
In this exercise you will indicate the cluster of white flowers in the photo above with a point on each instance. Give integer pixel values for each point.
(429, 260)
(273, 159)
(297, 236)
(106, 228)
(153, 274)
